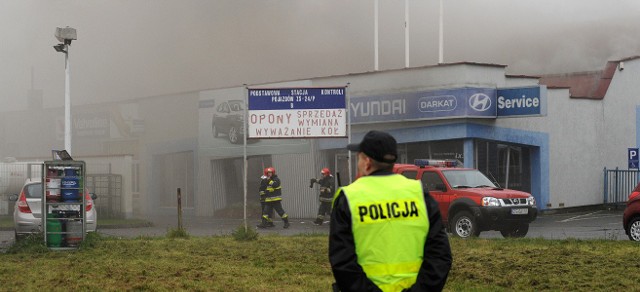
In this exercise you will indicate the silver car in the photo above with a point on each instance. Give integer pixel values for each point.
(27, 212)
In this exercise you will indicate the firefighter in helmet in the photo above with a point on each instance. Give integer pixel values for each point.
(264, 180)
(273, 200)
(326, 194)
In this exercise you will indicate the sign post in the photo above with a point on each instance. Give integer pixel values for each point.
(293, 113)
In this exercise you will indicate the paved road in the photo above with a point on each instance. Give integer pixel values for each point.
(602, 224)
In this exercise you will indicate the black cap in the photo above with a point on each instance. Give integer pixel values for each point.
(378, 145)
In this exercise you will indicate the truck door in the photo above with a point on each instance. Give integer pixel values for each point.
(432, 181)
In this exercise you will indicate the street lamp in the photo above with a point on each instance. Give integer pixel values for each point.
(65, 35)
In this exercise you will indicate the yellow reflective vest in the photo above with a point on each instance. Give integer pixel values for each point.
(390, 226)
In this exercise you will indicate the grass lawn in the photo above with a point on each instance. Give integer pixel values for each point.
(300, 263)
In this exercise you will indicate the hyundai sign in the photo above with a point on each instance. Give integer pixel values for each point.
(297, 113)
(465, 102)
(425, 105)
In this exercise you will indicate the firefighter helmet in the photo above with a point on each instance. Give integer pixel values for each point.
(325, 171)
(270, 169)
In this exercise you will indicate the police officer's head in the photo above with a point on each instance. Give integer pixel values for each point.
(377, 150)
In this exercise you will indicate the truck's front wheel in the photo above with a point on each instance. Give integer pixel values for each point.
(464, 225)
(518, 230)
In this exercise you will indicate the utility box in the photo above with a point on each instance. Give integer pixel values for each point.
(63, 203)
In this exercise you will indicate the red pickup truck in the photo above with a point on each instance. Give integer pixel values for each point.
(469, 201)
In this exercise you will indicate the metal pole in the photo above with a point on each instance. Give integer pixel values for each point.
(375, 36)
(246, 109)
(67, 101)
(349, 126)
(406, 33)
(179, 210)
(441, 38)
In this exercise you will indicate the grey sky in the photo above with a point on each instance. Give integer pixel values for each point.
(132, 49)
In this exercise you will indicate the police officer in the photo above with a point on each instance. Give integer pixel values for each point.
(326, 194)
(273, 200)
(386, 231)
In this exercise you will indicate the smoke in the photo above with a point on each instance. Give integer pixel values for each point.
(133, 49)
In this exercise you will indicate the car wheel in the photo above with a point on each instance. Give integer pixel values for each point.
(634, 229)
(517, 231)
(465, 225)
(233, 135)
(16, 236)
(214, 130)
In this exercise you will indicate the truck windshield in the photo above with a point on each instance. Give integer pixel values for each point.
(470, 178)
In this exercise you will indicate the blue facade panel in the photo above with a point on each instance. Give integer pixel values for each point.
(425, 105)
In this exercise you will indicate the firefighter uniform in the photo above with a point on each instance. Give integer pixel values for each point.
(326, 195)
(262, 191)
(387, 234)
(273, 200)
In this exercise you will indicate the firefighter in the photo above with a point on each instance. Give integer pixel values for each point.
(386, 232)
(326, 194)
(273, 200)
(262, 191)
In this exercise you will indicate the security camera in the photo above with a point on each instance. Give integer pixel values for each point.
(621, 66)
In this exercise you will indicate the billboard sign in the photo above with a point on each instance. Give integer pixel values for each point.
(221, 124)
(297, 113)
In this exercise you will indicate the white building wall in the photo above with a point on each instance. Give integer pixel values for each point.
(573, 127)
(619, 114)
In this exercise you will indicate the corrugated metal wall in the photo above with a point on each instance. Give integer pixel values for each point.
(294, 171)
(218, 185)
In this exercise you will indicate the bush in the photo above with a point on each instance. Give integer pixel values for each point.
(33, 243)
(244, 234)
(177, 233)
(91, 239)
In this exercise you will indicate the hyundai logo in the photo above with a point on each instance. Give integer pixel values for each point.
(480, 102)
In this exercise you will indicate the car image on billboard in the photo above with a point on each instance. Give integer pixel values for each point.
(228, 119)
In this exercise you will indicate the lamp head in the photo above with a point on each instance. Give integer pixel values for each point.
(66, 34)
(60, 48)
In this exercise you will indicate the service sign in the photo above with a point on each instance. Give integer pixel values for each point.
(521, 102)
(297, 113)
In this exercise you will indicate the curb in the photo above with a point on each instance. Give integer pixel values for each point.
(115, 226)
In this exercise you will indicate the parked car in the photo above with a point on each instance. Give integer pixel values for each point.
(469, 201)
(631, 215)
(27, 212)
(228, 119)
